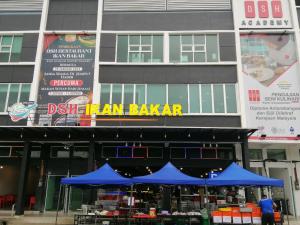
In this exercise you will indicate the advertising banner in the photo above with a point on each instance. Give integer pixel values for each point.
(271, 78)
(263, 14)
(66, 79)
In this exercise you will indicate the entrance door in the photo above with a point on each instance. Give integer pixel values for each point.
(52, 192)
(283, 174)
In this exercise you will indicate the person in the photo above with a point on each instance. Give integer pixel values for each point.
(266, 205)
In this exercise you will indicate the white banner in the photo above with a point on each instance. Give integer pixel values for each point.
(272, 84)
(264, 14)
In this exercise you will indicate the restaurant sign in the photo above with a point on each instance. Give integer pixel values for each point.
(264, 14)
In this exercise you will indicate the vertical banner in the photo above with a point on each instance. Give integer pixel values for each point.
(66, 79)
(271, 79)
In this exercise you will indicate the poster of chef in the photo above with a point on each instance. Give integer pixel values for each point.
(272, 85)
(66, 79)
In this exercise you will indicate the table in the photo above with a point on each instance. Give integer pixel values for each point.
(85, 219)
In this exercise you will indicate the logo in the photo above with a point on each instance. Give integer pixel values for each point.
(19, 111)
(254, 95)
(263, 9)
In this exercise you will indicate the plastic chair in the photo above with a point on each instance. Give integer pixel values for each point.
(32, 202)
(9, 200)
(2, 201)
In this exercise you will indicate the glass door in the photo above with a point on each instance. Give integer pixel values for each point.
(52, 192)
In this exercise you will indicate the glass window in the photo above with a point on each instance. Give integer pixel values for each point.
(212, 48)
(122, 48)
(116, 94)
(206, 98)
(255, 154)
(230, 98)
(105, 94)
(178, 94)
(128, 96)
(25, 91)
(278, 154)
(218, 98)
(3, 96)
(194, 48)
(140, 94)
(194, 98)
(140, 48)
(174, 48)
(13, 93)
(10, 48)
(156, 94)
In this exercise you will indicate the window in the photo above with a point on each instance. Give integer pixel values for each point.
(278, 154)
(140, 48)
(156, 94)
(13, 93)
(178, 94)
(10, 48)
(194, 98)
(255, 154)
(194, 48)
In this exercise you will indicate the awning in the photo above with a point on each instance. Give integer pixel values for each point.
(169, 174)
(234, 175)
(103, 176)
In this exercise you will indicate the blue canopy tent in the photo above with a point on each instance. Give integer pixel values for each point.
(169, 174)
(236, 175)
(105, 175)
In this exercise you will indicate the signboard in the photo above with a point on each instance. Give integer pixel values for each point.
(272, 85)
(263, 14)
(67, 75)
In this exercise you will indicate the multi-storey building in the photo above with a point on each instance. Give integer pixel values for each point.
(141, 83)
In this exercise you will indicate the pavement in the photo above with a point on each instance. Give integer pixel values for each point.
(34, 218)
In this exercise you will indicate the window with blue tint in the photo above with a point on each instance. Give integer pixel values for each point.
(128, 96)
(140, 95)
(206, 98)
(156, 94)
(178, 94)
(194, 98)
(231, 104)
(140, 48)
(188, 48)
(105, 94)
(10, 48)
(116, 94)
(219, 104)
(13, 93)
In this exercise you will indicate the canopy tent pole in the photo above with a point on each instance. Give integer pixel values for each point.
(58, 201)
(286, 207)
(206, 203)
(130, 203)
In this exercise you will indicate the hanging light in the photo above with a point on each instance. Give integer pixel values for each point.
(189, 135)
(117, 135)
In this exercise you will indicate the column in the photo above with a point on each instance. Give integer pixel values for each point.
(246, 162)
(21, 196)
(91, 157)
(91, 167)
(41, 190)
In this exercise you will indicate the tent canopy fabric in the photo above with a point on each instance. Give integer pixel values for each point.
(236, 175)
(169, 174)
(103, 176)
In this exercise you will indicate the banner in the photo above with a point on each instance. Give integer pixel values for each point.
(66, 79)
(263, 14)
(272, 85)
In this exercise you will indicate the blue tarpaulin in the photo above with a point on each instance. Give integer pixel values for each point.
(169, 174)
(236, 175)
(103, 176)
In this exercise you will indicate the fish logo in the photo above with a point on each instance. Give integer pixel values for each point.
(19, 111)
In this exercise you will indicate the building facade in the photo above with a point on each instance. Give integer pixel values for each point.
(99, 80)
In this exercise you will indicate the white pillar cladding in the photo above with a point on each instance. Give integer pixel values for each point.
(96, 85)
(38, 60)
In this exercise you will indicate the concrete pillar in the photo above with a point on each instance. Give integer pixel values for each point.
(21, 196)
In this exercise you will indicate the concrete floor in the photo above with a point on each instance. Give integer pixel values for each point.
(34, 218)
